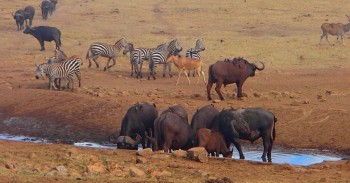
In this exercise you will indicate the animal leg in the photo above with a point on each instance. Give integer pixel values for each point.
(269, 152)
(178, 78)
(323, 35)
(78, 74)
(170, 74)
(42, 45)
(94, 58)
(217, 89)
(209, 86)
(164, 69)
(188, 79)
(114, 62)
(167, 143)
(239, 148)
(266, 144)
(107, 65)
(239, 85)
(132, 68)
(328, 40)
(202, 73)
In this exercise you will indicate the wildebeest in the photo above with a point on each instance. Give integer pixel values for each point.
(45, 33)
(213, 142)
(335, 29)
(138, 119)
(19, 17)
(46, 8)
(226, 72)
(247, 124)
(171, 131)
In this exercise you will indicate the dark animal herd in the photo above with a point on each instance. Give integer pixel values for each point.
(211, 129)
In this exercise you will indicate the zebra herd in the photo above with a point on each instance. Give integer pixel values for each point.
(62, 67)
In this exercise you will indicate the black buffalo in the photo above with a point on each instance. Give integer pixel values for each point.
(203, 117)
(227, 72)
(19, 18)
(46, 8)
(53, 2)
(247, 124)
(45, 33)
(138, 119)
(171, 130)
(29, 13)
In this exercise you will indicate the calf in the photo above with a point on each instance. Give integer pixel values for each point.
(213, 141)
(45, 33)
(184, 63)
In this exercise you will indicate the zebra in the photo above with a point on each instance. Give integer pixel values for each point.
(63, 70)
(138, 55)
(194, 52)
(104, 50)
(59, 56)
(160, 56)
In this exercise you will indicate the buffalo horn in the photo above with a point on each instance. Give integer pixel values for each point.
(13, 14)
(262, 68)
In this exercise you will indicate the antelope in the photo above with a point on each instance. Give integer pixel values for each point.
(337, 29)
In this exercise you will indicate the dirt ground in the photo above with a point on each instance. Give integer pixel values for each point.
(305, 84)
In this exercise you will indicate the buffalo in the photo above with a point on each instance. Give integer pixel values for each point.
(46, 8)
(171, 130)
(213, 142)
(19, 17)
(203, 117)
(247, 124)
(53, 2)
(226, 72)
(138, 119)
(45, 33)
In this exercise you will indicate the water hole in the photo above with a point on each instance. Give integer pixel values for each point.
(299, 157)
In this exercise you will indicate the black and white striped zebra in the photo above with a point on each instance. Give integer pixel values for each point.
(104, 50)
(138, 55)
(194, 52)
(64, 70)
(159, 56)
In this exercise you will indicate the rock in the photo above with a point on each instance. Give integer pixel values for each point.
(61, 170)
(295, 103)
(179, 153)
(322, 100)
(306, 102)
(145, 152)
(161, 156)
(141, 160)
(95, 168)
(218, 180)
(163, 173)
(136, 172)
(319, 96)
(198, 154)
(196, 95)
(216, 101)
(257, 95)
(328, 92)
(10, 166)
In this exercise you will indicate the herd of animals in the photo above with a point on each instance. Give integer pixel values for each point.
(170, 130)
(209, 128)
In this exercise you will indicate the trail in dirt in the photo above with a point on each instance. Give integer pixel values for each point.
(159, 17)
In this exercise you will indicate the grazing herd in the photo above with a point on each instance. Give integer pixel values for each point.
(211, 129)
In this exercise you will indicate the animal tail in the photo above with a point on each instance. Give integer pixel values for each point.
(274, 129)
(211, 75)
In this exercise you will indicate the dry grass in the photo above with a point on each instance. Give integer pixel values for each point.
(281, 34)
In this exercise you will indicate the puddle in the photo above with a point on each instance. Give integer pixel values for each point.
(299, 157)
(305, 157)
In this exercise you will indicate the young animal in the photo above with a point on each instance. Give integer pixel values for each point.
(212, 141)
(337, 29)
(184, 63)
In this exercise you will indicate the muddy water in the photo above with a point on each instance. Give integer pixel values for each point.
(300, 157)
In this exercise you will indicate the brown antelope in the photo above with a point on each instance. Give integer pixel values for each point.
(184, 63)
(337, 29)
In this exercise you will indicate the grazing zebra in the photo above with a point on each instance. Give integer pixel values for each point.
(194, 52)
(159, 56)
(105, 50)
(60, 56)
(63, 70)
(138, 55)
